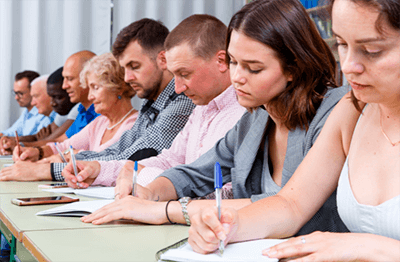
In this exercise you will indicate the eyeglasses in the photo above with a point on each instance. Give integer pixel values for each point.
(19, 94)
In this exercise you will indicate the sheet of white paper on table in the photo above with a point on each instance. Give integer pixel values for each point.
(76, 209)
(243, 251)
(95, 191)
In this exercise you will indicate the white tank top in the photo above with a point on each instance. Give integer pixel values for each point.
(383, 219)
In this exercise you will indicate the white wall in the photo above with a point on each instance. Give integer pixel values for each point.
(40, 34)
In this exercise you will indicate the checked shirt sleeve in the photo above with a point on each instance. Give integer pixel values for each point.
(156, 129)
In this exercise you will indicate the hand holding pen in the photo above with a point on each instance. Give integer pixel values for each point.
(71, 151)
(217, 187)
(18, 145)
(60, 153)
(135, 171)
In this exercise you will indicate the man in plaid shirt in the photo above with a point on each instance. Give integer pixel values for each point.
(139, 48)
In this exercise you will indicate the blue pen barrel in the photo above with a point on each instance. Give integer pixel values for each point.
(217, 176)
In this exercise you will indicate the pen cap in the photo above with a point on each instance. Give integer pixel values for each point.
(217, 176)
(136, 166)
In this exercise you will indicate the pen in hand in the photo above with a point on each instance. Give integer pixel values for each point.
(18, 145)
(71, 151)
(217, 187)
(135, 169)
(60, 153)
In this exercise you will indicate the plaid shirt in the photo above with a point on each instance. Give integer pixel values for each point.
(156, 127)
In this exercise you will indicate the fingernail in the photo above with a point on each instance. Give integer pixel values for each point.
(271, 252)
(226, 228)
(221, 236)
(80, 179)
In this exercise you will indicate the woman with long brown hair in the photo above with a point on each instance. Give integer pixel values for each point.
(357, 152)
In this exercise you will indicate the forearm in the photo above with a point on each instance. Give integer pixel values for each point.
(60, 131)
(47, 151)
(24, 139)
(45, 141)
(272, 217)
(378, 248)
(175, 209)
(162, 189)
(36, 143)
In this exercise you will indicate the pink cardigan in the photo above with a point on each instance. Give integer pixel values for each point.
(89, 138)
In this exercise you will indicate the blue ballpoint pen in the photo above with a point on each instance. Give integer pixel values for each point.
(60, 153)
(217, 187)
(71, 151)
(135, 169)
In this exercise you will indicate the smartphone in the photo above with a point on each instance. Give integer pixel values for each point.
(53, 185)
(42, 200)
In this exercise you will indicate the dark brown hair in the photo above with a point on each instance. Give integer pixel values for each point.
(389, 10)
(285, 27)
(205, 34)
(30, 75)
(149, 33)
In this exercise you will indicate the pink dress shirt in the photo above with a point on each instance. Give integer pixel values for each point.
(206, 125)
(89, 138)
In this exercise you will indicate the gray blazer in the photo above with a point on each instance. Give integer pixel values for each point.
(243, 165)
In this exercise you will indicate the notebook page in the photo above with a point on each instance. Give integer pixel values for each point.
(76, 207)
(243, 251)
(95, 191)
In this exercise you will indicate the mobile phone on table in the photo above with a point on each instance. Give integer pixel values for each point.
(53, 185)
(30, 201)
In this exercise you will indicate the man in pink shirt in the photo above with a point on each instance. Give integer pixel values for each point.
(195, 53)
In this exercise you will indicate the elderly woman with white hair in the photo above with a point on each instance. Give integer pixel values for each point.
(111, 97)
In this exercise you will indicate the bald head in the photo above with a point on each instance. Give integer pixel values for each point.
(72, 68)
(82, 57)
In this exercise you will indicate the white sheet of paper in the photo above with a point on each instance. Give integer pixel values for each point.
(243, 251)
(79, 209)
(96, 191)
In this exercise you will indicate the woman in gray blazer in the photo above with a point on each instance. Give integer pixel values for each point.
(284, 73)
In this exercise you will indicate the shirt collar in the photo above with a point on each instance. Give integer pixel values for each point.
(81, 109)
(224, 99)
(52, 115)
(90, 110)
(162, 99)
(34, 111)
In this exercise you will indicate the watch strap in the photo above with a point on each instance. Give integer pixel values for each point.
(184, 202)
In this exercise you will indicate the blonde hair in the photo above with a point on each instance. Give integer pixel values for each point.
(109, 73)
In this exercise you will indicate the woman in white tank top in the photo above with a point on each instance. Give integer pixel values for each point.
(364, 150)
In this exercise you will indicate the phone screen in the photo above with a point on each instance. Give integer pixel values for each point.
(42, 200)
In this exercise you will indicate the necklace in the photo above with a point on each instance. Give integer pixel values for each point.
(120, 121)
(387, 138)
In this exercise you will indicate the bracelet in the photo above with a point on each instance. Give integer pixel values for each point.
(184, 202)
(166, 212)
(41, 153)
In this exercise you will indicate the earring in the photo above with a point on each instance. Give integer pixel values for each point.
(119, 97)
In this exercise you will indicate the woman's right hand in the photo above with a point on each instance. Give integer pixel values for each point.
(207, 230)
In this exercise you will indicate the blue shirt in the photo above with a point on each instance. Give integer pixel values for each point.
(84, 117)
(29, 123)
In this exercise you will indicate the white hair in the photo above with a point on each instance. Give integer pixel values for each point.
(40, 79)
